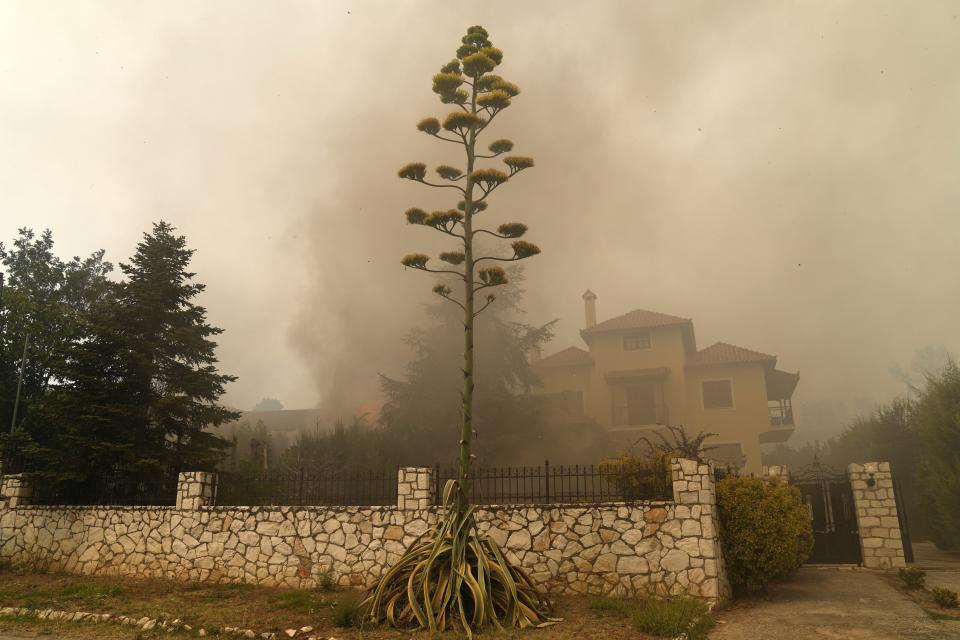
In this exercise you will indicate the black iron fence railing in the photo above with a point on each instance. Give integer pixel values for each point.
(565, 484)
(307, 488)
(116, 487)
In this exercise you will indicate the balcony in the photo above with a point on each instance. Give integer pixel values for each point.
(781, 413)
(781, 422)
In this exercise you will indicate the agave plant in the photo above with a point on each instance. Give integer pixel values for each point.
(451, 577)
(454, 576)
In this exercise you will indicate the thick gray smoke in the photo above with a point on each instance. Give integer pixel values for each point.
(784, 175)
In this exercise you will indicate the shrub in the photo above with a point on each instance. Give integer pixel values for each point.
(945, 597)
(765, 531)
(346, 612)
(327, 581)
(912, 578)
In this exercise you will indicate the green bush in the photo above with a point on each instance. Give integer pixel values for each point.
(765, 531)
(912, 578)
(945, 597)
(672, 618)
(346, 611)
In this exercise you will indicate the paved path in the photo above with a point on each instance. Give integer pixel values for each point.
(832, 604)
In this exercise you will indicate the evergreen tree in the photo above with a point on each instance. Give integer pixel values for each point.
(936, 419)
(454, 575)
(134, 383)
(168, 365)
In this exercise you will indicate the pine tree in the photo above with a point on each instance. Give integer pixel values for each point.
(168, 365)
(453, 575)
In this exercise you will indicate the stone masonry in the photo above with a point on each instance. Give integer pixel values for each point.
(877, 520)
(14, 491)
(658, 547)
(414, 488)
(196, 489)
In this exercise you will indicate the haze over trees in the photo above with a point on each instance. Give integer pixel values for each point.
(420, 416)
(121, 374)
(920, 436)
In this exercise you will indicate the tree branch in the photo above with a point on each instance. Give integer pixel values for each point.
(490, 301)
(495, 235)
(487, 286)
(456, 302)
(443, 186)
(429, 270)
(513, 259)
(437, 135)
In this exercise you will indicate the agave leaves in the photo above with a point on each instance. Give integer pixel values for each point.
(453, 577)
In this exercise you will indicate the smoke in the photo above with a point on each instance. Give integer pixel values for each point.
(782, 174)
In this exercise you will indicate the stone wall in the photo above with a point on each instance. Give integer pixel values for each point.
(656, 547)
(14, 491)
(876, 505)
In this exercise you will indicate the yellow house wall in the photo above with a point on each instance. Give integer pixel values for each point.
(682, 393)
(666, 350)
(741, 424)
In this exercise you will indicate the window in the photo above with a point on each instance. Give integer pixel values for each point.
(717, 394)
(636, 341)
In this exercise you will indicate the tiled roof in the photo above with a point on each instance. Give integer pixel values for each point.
(571, 356)
(637, 319)
(723, 353)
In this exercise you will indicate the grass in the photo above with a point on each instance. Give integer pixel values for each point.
(661, 618)
(302, 601)
(216, 606)
(932, 601)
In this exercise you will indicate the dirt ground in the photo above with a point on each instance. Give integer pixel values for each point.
(834, 604)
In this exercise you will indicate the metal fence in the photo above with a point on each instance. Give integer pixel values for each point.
(565, 484)
(307, 488)
(115, 487)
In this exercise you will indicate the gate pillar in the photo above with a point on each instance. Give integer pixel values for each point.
(880, 537)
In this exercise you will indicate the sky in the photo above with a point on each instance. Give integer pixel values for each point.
(783, 173)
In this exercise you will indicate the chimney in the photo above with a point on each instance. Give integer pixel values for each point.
(590, 308)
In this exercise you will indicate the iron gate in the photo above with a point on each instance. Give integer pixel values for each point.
(829, 500)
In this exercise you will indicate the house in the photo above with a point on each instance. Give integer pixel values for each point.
(643, 370)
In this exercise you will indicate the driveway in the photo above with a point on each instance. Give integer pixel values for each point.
(831, 603)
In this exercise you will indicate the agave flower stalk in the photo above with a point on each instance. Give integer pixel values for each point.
(453, 575)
